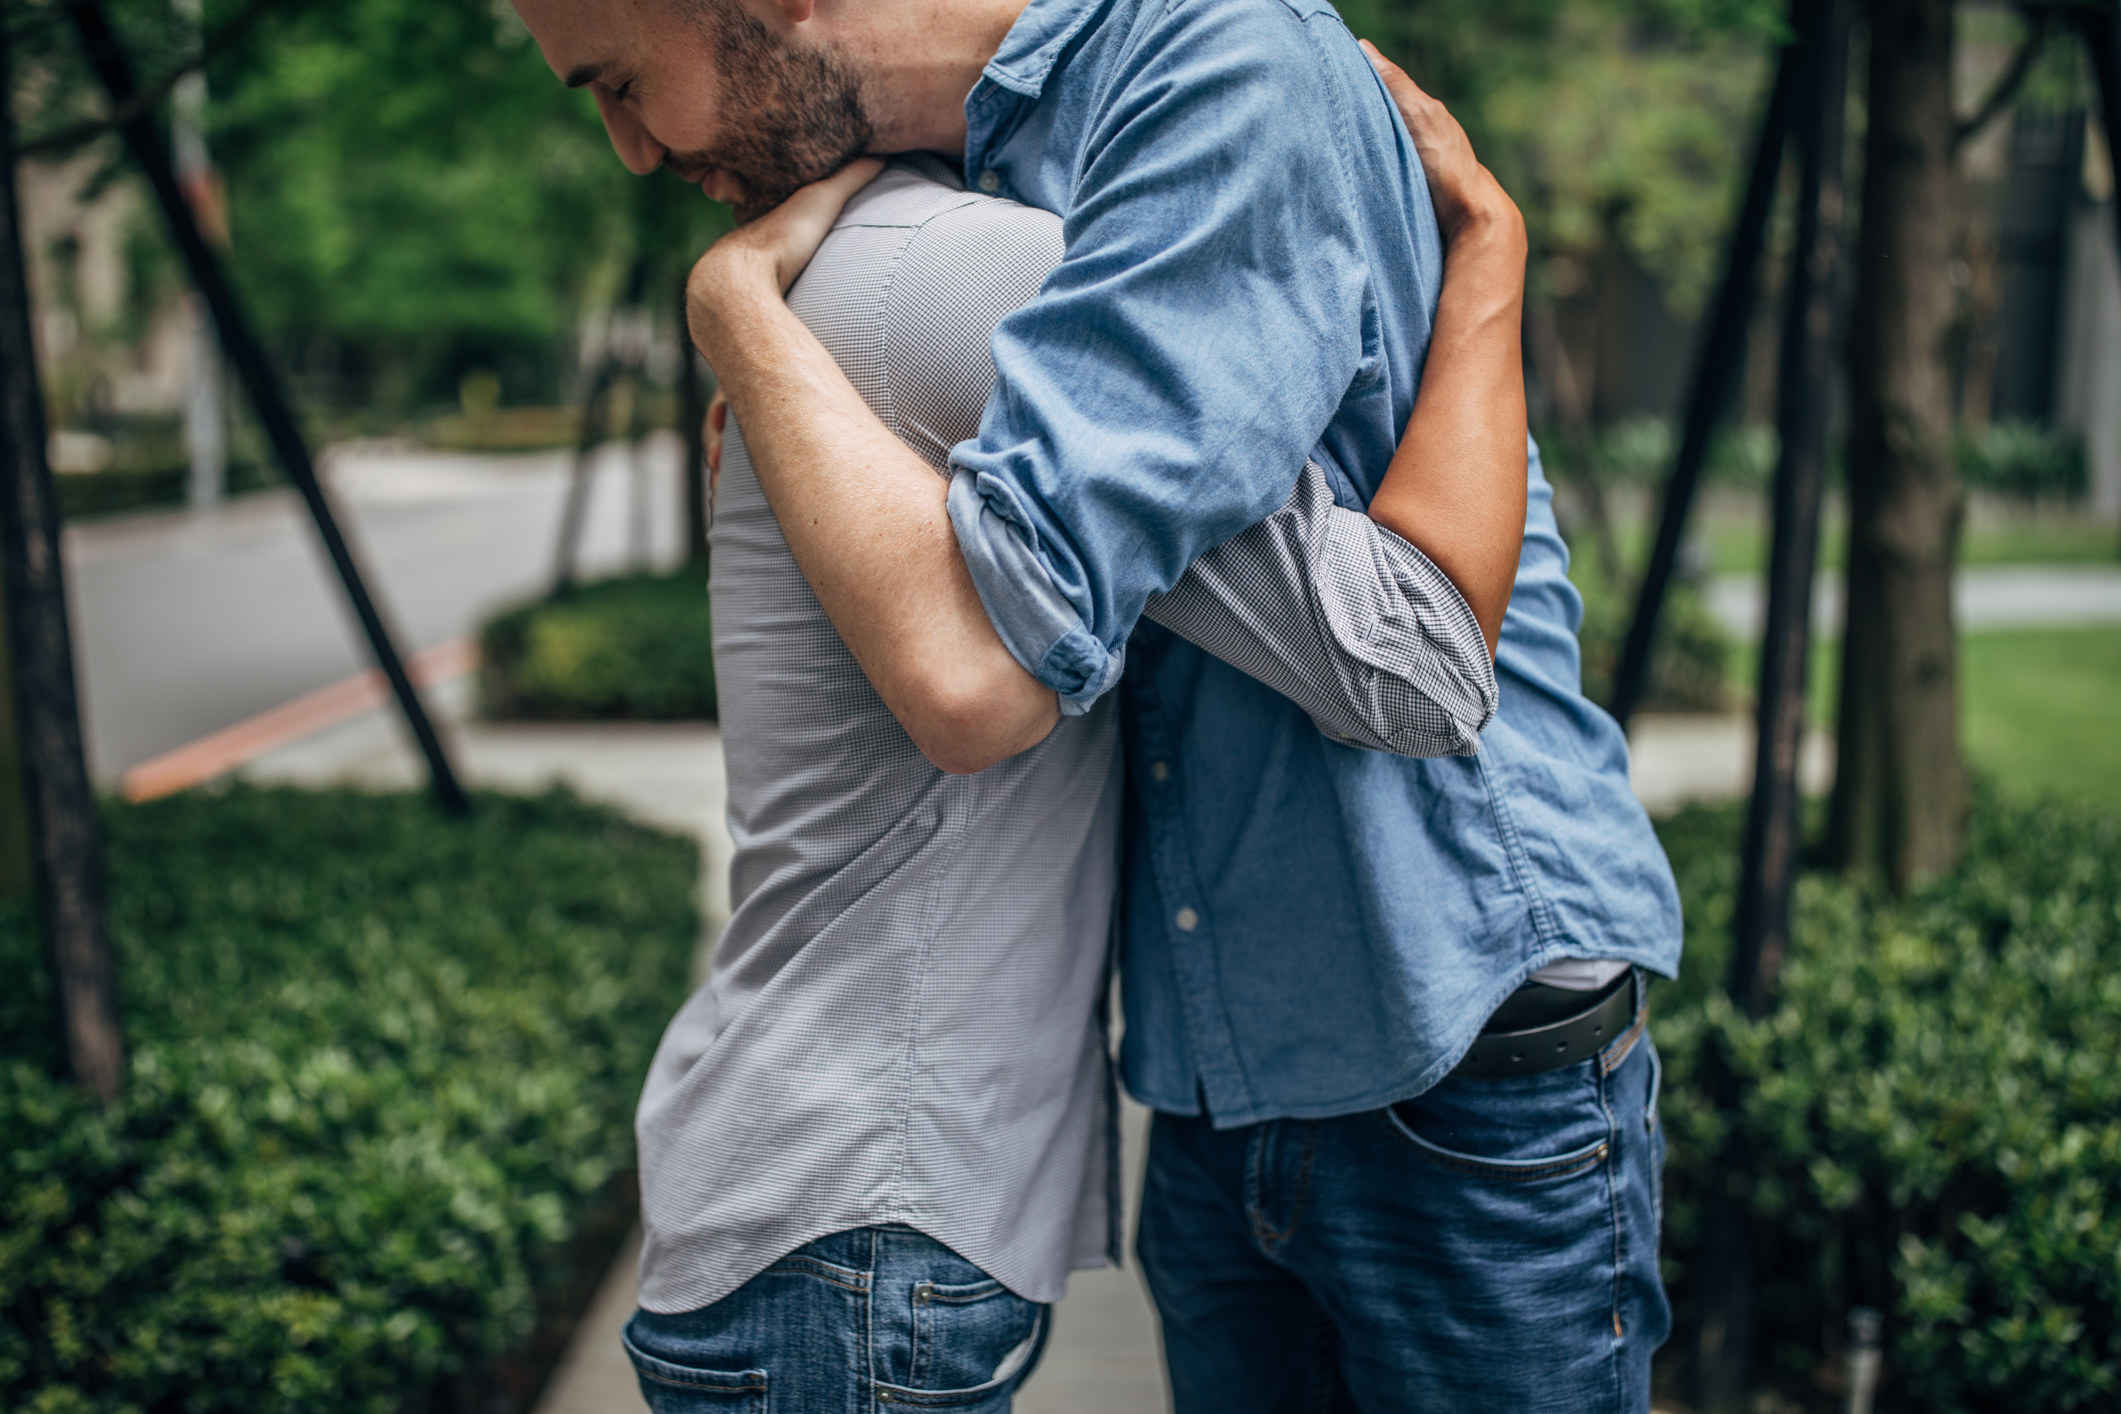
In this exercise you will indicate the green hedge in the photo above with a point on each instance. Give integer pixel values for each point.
(2025, 460)
(641, 646)
(1934, 1110)
(84, 495)
(383, 1064)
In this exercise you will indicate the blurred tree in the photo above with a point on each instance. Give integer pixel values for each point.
(16, 866)
(59, 817)
(411, 194)
(1599, 113)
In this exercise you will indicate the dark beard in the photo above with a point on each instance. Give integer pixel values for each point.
(796, 114)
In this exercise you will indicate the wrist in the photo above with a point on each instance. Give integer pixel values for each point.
(1492, 233)
(725, 281)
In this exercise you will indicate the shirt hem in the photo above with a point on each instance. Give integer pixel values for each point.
(1404, 1088)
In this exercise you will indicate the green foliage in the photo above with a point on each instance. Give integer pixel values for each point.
(382, 1062)
(1690, 662)
(1933, 1111)
(115, 492)
(640, 646)
(411, 192)
(1603, 118)
(2025, 460)
(409, 183)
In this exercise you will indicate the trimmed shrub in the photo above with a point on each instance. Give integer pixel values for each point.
(641, 646)
(383, 1063)
(116, 491)
(1934, 1112)
(2025, 460)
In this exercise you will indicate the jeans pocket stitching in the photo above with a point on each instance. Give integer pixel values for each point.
(668, 1372)
(1649, 1109)
(942, 1398)
(1617, 1051)
(957, 1295)
(798, 1265)
(1568, 1165)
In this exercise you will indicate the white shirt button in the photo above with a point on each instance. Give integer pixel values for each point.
(990, 180)
(1159, 770)
(1187, 920)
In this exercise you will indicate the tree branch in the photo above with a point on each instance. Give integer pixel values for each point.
(149, 97)
(1999, 97)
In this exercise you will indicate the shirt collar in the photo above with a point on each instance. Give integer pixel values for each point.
(1034, 43)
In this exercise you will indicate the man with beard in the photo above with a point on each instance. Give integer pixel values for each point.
(1389, 1011)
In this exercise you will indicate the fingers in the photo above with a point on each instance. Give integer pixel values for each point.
(1464, 192)
(717, 424)
(798, 225)
(853, 177)
(1405, 92)
(1428, 122)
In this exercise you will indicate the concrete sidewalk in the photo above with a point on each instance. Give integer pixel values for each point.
(1103, 1357)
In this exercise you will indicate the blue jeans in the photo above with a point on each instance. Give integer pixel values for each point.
(878, 1318)
(1488, 1246)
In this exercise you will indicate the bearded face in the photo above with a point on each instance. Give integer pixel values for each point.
(792, 113)
(709, 90)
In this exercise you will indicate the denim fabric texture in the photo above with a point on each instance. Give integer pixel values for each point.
(1251, 268)
(876, 1318)
(1490, 1246)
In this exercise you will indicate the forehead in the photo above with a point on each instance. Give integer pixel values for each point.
(580, 36)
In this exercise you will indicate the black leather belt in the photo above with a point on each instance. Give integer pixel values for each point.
(1530, 1050)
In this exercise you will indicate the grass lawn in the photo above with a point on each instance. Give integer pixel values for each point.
(2040, 706)
(1740, 547)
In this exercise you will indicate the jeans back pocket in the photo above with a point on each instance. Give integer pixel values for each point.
(973, 1344)
(671, 1388)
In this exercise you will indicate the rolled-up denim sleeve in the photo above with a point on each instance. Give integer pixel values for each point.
(1353, 624)
(1182, 361)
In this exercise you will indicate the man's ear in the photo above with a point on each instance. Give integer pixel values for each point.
(792, 12)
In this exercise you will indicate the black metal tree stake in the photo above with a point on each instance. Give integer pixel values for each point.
(244, 354)
(1768, 866)
(1715, 371)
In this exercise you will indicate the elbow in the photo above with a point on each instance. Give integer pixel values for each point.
(966, 720)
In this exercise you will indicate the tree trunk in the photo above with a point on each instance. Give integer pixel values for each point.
(17, 871)
(1900, 802)
(65, 833)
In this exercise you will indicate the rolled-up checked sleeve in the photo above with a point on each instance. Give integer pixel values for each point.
(1352, 623)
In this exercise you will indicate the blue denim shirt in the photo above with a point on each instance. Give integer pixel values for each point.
(1251, 268)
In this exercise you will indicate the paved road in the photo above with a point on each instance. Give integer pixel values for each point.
(184, 624)
(1984, 597)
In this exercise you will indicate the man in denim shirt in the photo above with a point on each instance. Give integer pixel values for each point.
(1366, 1188)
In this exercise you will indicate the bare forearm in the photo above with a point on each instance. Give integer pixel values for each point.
(1456, 487)
(867, 523)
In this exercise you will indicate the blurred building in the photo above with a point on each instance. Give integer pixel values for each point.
(2039, 340)
(111, 339)
(2088, 330)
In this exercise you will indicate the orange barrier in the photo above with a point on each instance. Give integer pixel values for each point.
(220, 752)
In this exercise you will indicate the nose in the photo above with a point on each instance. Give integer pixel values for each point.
(630, 137)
